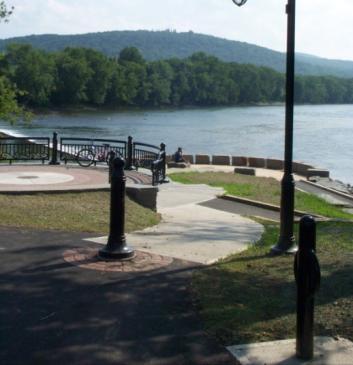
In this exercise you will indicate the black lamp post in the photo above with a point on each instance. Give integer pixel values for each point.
(286, 241)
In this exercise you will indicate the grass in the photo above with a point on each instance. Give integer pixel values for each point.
(83, 212)
(252, 297)
(264, 189)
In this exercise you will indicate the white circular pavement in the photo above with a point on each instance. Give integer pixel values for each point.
(33, 178)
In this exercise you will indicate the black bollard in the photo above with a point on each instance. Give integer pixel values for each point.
(307, 276)
(116, 248)
(54, 151)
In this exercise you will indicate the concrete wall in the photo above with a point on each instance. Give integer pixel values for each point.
(274, 164)
(144, 195)
(239, 161)
(317, 172)
(189, 158)
(301, 168)
(202, 159)
(257, 162)
(220, 160)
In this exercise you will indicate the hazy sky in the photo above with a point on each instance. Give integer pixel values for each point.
(324, 27)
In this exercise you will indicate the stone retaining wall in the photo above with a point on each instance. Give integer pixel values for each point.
(299, 168)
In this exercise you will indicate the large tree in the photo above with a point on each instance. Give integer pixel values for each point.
(9, 108)
(5, 12)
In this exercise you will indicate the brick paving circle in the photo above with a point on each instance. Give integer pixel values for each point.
(23, 178)
(87, 258)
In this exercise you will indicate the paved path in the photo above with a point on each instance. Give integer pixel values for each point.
(55, 313)
(330, 196)
(191, 231)
(34, 178)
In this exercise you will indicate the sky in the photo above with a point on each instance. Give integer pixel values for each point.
(323, 27)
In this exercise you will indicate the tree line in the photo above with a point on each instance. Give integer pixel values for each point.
(86, 76)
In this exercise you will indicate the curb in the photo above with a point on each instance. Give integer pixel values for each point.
(259, 204)
(78, 189)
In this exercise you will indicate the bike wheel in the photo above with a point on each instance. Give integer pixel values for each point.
(85, 157)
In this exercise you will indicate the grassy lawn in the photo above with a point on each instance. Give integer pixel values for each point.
(267, 190)
(84, 212)
(252, 296)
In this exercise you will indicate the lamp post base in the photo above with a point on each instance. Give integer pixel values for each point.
(117, 253)
(285, 245)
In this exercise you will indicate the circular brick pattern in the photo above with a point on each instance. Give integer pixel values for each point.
(87, 258)
(25, 178)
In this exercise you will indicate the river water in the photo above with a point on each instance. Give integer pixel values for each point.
(323, 134)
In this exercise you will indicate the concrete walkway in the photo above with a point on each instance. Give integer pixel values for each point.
(190, 231)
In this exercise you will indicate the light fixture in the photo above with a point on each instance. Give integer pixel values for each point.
(239, 2)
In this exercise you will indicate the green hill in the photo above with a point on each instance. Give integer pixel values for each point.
(167, 44)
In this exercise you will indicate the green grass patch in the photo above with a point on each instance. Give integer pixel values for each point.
(264, 189)
(83, 212)
(252, 296)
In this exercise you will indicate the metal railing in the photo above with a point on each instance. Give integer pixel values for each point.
(71, 147)
(144, 154)
(24, 149)
(86, 151)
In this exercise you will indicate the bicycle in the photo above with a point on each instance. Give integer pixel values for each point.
(89, 155)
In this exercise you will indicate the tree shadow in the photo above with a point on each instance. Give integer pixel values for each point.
(57, 313)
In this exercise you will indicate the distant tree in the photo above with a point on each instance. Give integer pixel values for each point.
(73, 75)
(131, 54)
(101, 73)
(180, 88)
(33, 72)
(160, 76)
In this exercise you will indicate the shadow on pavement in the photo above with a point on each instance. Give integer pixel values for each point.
(55, 313)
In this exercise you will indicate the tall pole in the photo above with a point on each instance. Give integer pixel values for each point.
(286, 241)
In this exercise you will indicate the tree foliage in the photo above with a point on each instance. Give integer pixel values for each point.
(10, 110)
(86, 76)
(162, 45)
(5, 12)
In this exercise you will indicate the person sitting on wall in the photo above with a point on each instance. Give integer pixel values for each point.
(178, 155)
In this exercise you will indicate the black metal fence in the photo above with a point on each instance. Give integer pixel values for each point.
(86, 151)
(24, 149)
(72, 149)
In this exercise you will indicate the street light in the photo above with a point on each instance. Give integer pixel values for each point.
(239, 2)
(286, 241)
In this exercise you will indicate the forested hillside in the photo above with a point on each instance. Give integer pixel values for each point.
(168, 44)
(85, 76)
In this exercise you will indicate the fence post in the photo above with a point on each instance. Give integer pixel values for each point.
(164, 161)
(307, 276)
(111, 159)
(129, 153)
(116, 248)
(54, 151)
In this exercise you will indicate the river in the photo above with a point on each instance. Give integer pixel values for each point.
(323, 134)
